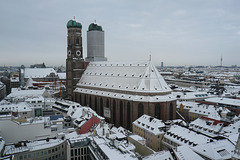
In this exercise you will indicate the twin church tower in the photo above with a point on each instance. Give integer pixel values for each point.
(75, 63)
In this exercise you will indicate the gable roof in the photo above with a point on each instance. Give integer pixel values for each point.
(141, 77)
(38, 72)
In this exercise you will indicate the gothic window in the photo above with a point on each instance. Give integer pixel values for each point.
(80, 99)
(121, 113)
(128, 116)
(107, 103)
(90, 101)
(157, 111)
(114, 112)
(101, 107)
(171, 111)
(77, 41)
(85, 100)
(140, 110)
(96, 104)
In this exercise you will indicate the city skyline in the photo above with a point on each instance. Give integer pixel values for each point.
(186, 33)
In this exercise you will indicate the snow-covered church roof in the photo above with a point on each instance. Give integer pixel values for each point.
(134, 77)
(38, 72)
(139, 78)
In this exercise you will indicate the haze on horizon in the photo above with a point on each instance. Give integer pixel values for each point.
(188, 32)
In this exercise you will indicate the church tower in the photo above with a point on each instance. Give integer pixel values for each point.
(95, 43)
(74, 62)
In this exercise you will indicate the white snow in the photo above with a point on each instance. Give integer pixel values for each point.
(150, 124)
(125, 81)
(38, 72)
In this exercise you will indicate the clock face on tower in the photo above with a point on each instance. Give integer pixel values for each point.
(78, 53)
(69, 53)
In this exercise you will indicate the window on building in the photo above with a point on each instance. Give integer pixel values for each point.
(140, 110)
(107, 103)
(128, 116)
(77, 41)
(158, 111)
(101, 106)
(121, 113)
(114, 112)
(71, 152)
(171, 111)
(96, 103)
(90, 101)
(85, 100)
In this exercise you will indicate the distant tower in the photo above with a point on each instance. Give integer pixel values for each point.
(95, 43)
(161, 64)
(221, 61)
(74, 61)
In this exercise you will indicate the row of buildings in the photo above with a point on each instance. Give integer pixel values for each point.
(151, 138)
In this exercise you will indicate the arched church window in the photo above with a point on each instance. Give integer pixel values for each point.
(101, 107)
(107, 103)
(157, 111)
(121, 113)
(96, 104)
(140, 110)
(171, 111)
(128, 116)
(114, 112)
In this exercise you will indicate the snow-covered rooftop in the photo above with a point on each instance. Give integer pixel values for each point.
(150, 124)
(38, 72)
(159, 155)
(128, 96)
(227, 101)
(15, 107)
(14, 79)
(208, 126)
(192, 95)
(184, 153)
(120, 150)
(62, 75)
(27, 93)
(184, 136)
(221, 149)
(32, 146)
(142, 77)
(81, 115)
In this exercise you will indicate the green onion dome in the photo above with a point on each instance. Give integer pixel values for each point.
(94, 27)
(74, 24)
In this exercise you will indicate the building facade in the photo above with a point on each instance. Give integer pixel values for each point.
(2, 91)
(151, 129)
(48, 149)
(123, 92)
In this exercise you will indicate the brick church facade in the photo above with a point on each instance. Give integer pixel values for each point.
(123, 92)
(120, 92)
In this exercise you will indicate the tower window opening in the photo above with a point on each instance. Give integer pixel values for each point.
(77, 41)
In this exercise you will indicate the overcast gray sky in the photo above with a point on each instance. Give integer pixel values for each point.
(186, 32)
